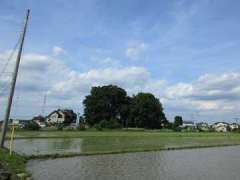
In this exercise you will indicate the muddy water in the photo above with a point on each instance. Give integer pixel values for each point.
(220, 163)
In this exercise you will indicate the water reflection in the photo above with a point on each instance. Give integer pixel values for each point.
(200, 164)
(47, 146)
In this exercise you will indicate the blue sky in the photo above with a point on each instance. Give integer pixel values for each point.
(173, 45)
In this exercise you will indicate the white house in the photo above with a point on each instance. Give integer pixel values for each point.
(40, 123)
(188, 124)
(220, 126)
(56, 117)
(61, 116)
(234, 126)
(40, 120)
(203, 126)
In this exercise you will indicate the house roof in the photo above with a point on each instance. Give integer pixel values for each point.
(202, 123)
(67, 112)
(234, 124)
(188, 122)
(221, 122)
(56, 111)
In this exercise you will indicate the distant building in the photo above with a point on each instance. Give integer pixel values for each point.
(221, 126)
(188, 124)
(40, 120)
(16, 122)
(234, 126)
(60, 116)
(203, 126)
(21, 123)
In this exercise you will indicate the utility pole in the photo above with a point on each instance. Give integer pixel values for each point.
(13, 82)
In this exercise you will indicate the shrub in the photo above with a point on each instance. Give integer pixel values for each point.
(177, 129)
(60, 127)
(103, 124)
(98, 127)
(189, 130)
(237, 130)
(81, 127)
(32, 126)
(166, 130)
(111, 124)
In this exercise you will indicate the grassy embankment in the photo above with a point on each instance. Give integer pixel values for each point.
(103, 142)
(14, 164)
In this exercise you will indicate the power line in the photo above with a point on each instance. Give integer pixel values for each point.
(3, 89)
(9, 58)
(13, 82)
(3, 72)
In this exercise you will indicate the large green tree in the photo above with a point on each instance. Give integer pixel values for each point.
(178, 121)
(146, 111)
(106, 103)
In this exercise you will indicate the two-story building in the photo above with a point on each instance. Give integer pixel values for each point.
(221, 126)
(60, 116)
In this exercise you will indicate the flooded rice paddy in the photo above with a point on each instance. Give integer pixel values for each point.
(96, 144)
(193, 164)
(48, 146)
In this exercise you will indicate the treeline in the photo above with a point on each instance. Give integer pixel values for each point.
(111, 107)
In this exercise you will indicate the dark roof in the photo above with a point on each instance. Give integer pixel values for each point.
(221, 122)
(188, 122)
(202, 123)
(234, 124)
(56, 111)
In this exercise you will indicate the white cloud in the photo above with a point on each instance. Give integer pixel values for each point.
(209, 92)
(58, 50)
(179, 91)
(135, 49)
(107, 61)
(43, 74)
(128, 78)
(37, 73)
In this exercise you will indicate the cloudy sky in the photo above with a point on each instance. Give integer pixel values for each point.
(186, 52)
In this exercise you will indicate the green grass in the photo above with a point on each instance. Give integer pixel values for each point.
(97, 142)
(15, 163)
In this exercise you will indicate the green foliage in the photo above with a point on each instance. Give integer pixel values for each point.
(60, 127)
(178, 121)
(15, 162)
(236, 130)
(40, 118)
(189, 130)
(98, 127)
(166, 130)
(81, 127)
(106, 102)
(203, 127)
(167, 125)
(111, 124)
(32, 126)
(228, 129)
(146, 111)
(111, 104)
(177, 129)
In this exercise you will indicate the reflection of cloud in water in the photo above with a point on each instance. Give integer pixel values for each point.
(48, 146)
(209, 163)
